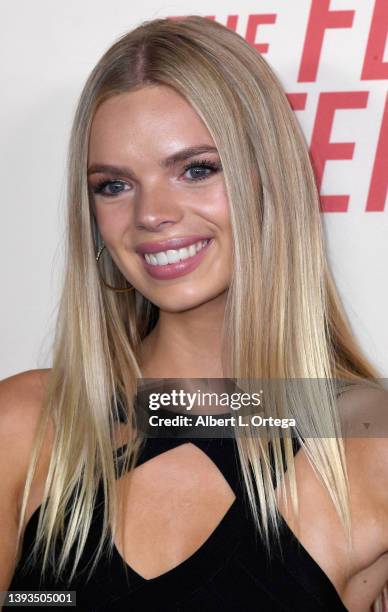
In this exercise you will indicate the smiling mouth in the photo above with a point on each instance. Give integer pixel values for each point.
(183, 261)
(173, 256)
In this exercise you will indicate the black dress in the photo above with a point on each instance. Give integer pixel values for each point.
(229, 572)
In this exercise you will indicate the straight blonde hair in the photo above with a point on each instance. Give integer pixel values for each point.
(283, 317)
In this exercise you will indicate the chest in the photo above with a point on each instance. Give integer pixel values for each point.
(169, 508)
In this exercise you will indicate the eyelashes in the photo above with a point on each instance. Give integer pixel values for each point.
(118, 186)
(99, 188)
(203, 164)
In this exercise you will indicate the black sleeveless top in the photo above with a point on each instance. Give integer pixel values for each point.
(229, 572)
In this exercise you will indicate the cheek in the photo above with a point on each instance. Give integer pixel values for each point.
(216, 209)
(111, 221)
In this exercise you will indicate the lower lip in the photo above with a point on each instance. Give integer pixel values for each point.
(176, 269)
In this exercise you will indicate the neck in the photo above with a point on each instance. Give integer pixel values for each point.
(186, 344)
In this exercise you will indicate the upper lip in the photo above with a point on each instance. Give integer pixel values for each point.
(165, 245)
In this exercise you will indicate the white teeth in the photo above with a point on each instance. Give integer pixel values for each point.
(162, 259)
(173, 256)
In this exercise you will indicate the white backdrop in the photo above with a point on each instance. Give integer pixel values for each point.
(331, 52)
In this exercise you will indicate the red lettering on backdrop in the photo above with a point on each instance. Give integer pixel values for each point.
(374, 67)
(254, 21)
(379, 180)
(231, 22)
(297, 101)
(323, 150)
(320, 19)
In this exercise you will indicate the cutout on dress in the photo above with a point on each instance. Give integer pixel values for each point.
(180, 493)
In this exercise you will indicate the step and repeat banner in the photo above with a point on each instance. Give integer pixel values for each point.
(332, 59)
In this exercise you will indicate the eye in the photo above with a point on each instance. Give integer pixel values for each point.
(114, 188)
(203, 169)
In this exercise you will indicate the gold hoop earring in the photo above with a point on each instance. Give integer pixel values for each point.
(115, 289)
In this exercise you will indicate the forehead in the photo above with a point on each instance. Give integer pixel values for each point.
(152, 118)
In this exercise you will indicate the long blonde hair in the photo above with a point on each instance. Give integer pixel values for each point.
(283, 318)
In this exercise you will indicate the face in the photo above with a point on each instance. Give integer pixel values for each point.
(159, 198)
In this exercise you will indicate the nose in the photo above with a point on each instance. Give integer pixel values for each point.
(157, 207)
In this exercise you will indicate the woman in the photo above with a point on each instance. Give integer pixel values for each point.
(183, 136)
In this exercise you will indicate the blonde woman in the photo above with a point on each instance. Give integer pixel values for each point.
(183, 136)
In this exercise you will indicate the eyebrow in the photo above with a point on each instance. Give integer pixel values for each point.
(168, 162)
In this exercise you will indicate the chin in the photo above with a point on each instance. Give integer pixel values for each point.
(181, 303)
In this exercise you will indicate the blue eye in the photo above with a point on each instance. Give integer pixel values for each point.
(202, 165)
(200, 169)
(116, 186)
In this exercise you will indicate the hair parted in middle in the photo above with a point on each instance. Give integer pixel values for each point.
(283, 316)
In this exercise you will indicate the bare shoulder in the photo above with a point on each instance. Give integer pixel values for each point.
(21, 392)
(365, 415)
(21, 398)
(364, 411)
(360, 576)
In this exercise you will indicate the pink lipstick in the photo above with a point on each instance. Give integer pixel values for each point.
(167, 264)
